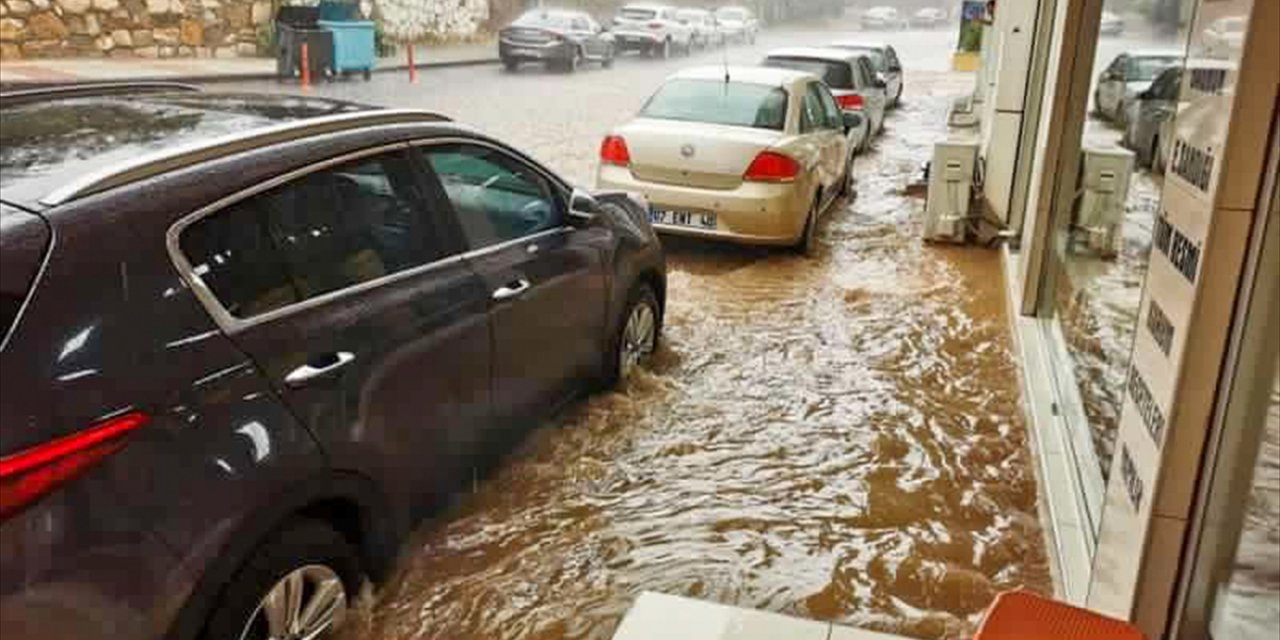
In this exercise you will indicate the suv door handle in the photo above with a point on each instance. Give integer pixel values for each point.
(511, 290)
(306, 373)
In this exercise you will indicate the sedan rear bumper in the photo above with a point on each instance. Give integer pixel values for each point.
(753, 213)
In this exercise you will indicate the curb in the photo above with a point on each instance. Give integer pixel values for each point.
(212, 78)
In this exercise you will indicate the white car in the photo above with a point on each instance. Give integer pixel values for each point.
(1129, 74)
(738, 24)
(1111, 24)
(849, 75)
(883, 18)
(743, 154)
(884, 59)
(1224, 37)
(652, 29)
(929, 18)
(706, 31)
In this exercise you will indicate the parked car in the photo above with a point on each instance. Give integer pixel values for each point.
(1224, 37)
(706, 31)
(1149, 125)
(1149, 110)
(1128, 75)
(929, 18)
(652, 29)
(738, 24)
(556, 38)
(755, 158)
(1111, 24)
(850, 77)
(246, 339)
(883, 18)
(884, 59)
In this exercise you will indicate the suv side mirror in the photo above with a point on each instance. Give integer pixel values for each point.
(582, 203)
(852, 120)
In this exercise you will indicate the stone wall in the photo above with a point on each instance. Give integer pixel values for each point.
(131, 28)
(418, 20)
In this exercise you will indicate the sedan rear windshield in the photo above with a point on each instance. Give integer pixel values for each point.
(732, 14)
(837, 75)
(543, 19)
(718, 102)
(638, 14)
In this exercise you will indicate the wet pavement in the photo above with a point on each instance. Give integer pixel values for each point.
(836, 437)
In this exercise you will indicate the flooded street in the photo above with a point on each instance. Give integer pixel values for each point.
(836, 437)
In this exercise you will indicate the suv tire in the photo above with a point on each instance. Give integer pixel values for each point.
(305, 554)
(624, 346)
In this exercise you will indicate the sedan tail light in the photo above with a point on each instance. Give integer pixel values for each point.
(30, 474)
(771, 166)
(655, 25)
(849, 101)
(614, 151)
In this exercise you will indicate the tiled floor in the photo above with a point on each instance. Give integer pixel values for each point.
(658, 616)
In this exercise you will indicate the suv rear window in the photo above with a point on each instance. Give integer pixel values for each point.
(718, 102)
(835, 74)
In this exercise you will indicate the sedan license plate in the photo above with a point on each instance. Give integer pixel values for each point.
(682, 218)
(524, 52)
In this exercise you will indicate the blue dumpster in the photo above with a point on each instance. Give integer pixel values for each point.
(353, 48)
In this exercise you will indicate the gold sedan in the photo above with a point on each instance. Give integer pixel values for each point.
(745, 154)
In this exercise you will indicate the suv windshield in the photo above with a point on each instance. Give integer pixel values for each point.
(717, 102)
(544, 19)
(836, 74)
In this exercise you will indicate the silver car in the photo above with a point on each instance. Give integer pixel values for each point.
(1128, 75)
(884, 59)
(745, 154)
(706, 31)
(850, 76)
(1149, 124)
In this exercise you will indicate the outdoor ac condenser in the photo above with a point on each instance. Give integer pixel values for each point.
(1104, 188)
(950, 188)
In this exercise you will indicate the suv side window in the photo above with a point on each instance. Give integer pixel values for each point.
(866, 73)
(325, 231)
(495, 197)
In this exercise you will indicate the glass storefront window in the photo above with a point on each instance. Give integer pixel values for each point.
(1094, 278)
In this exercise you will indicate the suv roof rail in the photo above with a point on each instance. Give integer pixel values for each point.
(154, 164)
(58, 92)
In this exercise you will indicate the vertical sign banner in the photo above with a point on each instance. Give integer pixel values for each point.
(1199, 236)
(973, 14)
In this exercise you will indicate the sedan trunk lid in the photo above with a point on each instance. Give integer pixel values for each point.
(694, 154)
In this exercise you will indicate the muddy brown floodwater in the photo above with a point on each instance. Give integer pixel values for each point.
(836, 438)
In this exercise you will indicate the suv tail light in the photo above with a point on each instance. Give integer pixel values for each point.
(849, 101)
(771, 166)
(614, 151)
(655, 25)
(30, 474)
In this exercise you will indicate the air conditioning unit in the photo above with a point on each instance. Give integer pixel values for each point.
(1104, 189)
(950, 189)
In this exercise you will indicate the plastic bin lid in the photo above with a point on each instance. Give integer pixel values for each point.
(1022, 615)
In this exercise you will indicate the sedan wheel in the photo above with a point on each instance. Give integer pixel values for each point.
(302, 605)
(809, 237)
(664, 51)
